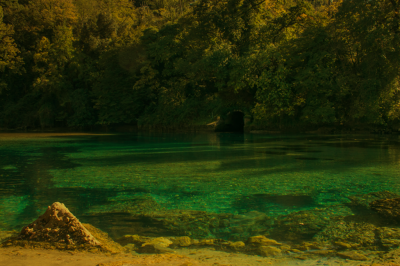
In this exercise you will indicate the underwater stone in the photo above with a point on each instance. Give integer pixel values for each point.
(323, 252)
(183, 241)
(391, 258)
(237, 245)
(268, 251)
(305, 246)
(303, 225)
(157, 245)
(389, 208)
(262, 240)
(132, 239)
(360, 203)
(159, 241)
(389, 237)
(352, 255)
(133, 204)
(354, 234)
(206, 242)
(249, 224)
(195, 224)
(342, 245)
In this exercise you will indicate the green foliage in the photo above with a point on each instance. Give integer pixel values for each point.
(78, 63)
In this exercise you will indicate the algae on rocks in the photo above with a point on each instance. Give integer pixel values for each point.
(361, 203)
(304, 225)
(389, 208)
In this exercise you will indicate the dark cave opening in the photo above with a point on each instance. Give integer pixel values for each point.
(234, 122)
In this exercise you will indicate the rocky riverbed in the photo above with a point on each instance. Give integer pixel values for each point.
(365, 232)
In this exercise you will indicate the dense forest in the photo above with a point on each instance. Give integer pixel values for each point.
(283, 63)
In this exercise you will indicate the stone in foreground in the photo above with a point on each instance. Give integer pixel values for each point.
(59, 228)
(58, 224)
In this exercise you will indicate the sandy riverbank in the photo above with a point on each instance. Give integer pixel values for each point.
(17, 256)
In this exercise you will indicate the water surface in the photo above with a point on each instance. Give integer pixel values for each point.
(114, 176)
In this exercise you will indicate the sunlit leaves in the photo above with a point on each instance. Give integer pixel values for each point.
(52, 13)
(51, 58)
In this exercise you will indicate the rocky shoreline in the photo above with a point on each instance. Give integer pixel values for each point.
(370, 236)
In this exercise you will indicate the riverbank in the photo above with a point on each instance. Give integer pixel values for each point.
(17, 256)
(58, 238)
(212, 128)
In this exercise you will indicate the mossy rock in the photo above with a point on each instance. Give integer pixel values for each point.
(194, 224)
(361, 203)
(389, 208)
(132, 239)
(262, 241)
(304, 225)
(352, 255)
(357, 235)
(389, 237)
(269, 251)
(249, 224)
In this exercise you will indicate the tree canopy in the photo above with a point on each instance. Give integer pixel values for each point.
(285, 63)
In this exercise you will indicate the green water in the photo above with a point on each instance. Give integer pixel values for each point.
(103, 179)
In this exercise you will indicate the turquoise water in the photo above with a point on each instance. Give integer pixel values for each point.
(118, 181)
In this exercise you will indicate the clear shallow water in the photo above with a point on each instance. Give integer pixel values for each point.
(101, 178)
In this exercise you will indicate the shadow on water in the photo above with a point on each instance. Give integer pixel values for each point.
(30, 177)
(118, 224)
(265, 202)
(295, 149)
(307, 158)
(273, 152)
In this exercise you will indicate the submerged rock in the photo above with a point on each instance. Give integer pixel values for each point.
(264, 246)
(389, 208)
(351, 233)
(307, 246)
(237, 245)
(268, 251)
(127, 203)
(159, 241)
(342, 245)
(157, 245)
(361, 203)
(304, 225)
(59, 228)
(352, 255)
(195, 224)
(389, 237)
(132, 239)
(262, 240)
(242, 226)
(183, 241)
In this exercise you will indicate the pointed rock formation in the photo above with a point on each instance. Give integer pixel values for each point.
(58, 224)
(59, 228)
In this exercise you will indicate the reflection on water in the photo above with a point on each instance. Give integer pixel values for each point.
(229, 186)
